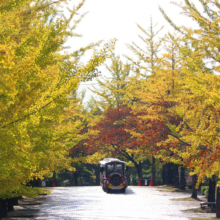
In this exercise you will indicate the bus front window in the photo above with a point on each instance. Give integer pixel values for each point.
(110, 168)
(119, 167)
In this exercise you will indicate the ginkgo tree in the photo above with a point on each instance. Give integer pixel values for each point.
(109, 137)
(38, 116)
(201, 106)
(146, 56)
(113, 139)
(195, 139)
(112, 88)
(161, 95)
(141, 88)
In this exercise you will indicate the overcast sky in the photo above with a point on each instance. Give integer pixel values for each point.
(109, 19)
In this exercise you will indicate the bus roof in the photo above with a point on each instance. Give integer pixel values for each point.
(109, 160)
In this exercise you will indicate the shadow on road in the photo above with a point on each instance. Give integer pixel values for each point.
(128, 191)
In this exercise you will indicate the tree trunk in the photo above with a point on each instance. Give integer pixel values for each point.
(153, 170)
(176, 175)
(182, 179)
(139, 169)
(80, 180)
(168, 173)
(194, 190)
(97, 176)
(211, 195)
(171, 173)
(75, 178)
(10, 204)
(128, 179)
(164, 175)
(38, 183)
(15, 201)
(3, 208)
(218, 203)
(54, 177)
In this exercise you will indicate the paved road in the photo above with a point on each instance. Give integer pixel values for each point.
(91, 203)
(85, 203)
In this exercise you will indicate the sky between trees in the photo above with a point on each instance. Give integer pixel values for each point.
(108, 19)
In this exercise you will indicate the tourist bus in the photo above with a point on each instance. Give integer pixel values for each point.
(112, 175)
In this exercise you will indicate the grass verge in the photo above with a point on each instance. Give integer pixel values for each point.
(189, 199)
(167, 188)
(201, 210)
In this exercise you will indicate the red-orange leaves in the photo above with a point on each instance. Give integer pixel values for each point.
(113, 135)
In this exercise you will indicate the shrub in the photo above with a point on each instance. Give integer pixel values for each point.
(205, 191)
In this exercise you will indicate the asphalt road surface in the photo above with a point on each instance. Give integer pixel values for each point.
(90, 203)
(85, 203)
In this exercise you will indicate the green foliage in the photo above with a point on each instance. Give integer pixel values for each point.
(181, 95)
(40, 119)
(146, 62)
(205, 191)
(111, 90)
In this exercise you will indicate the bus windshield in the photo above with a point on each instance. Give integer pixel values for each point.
(118, 167)
(110, 168)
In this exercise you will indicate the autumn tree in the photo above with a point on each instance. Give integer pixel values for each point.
(160, 96)
(146, 56)
(113, 139)
(201, 85)
(111, 88)
(112, 91)
(149, 66)
(38, 118)
(196, 88)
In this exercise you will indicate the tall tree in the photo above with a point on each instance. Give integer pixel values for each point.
(154, 97)
(111, 90)
(146, 62)
(201, 86)
(38, 118)
(201, 83)
(113, 139)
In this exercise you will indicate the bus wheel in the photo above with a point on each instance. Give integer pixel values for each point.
(123, 190)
